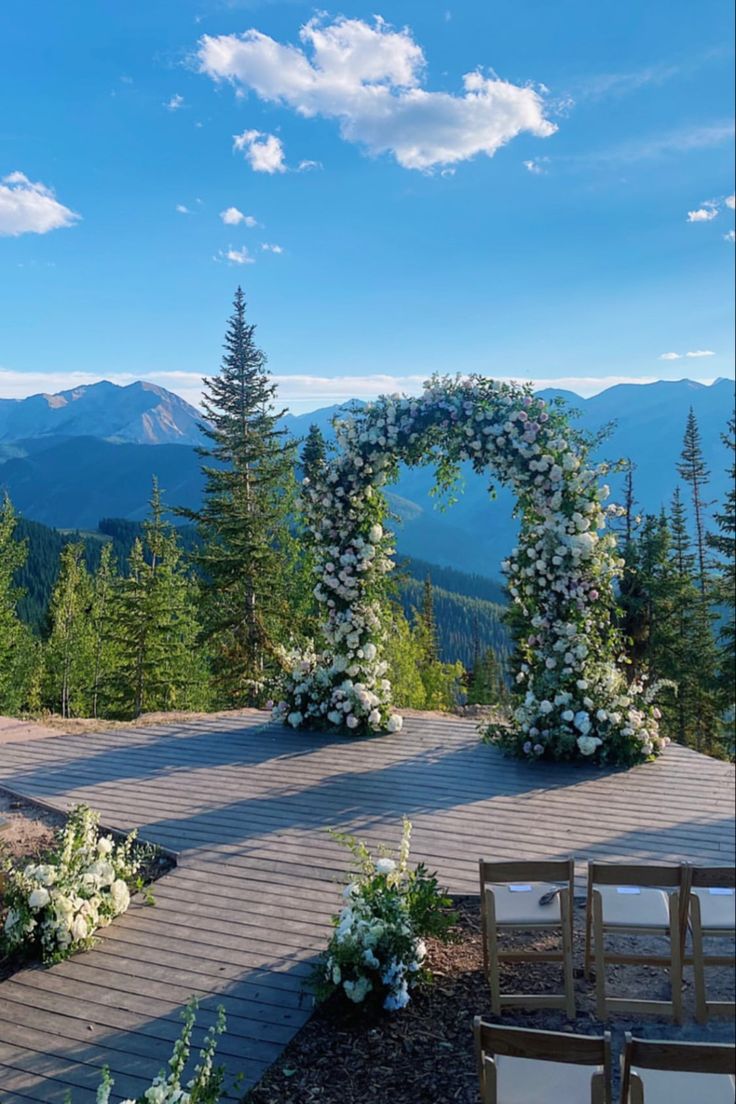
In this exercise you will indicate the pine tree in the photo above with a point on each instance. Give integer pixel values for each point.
(723, 543)
(314, 453)
(69, 655)
(154, 627)
(103, 587)
(694, 661)
(244, 519)
(692, 468)
(486, 680)
(17, 650)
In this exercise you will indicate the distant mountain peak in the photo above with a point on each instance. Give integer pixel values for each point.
(137, 413)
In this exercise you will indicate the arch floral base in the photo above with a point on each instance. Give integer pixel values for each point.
(574, 699)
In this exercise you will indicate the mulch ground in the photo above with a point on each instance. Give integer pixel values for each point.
(424, 1054)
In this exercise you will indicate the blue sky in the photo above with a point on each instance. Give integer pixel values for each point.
(524, 189)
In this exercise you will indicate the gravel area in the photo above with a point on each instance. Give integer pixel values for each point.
(424, 1055)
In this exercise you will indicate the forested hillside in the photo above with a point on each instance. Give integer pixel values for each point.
(467, 606)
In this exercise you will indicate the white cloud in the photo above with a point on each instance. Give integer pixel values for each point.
(730, 201)
(730, 236)
(537, 166)
(30, 208)
(264, 152)
(174, 103)
(694, 354)
(180, 207)
(233, 217)
(306, 166)
(270, 247)
(703, 214)
(369, 78)
(236, 256)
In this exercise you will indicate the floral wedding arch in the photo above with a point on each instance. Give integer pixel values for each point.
(574, 698)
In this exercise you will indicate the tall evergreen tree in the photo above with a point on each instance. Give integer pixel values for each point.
(693, 469)
(723, 543)
(693, 653)
(17, 651)
(314, 452)
(244, 519)
(103, 590)
(68, 657)
(154, 629)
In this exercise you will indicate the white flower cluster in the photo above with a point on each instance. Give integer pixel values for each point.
(205, 1087)
(377, 946)
(560, 575)
(365, 937)
(57, 905)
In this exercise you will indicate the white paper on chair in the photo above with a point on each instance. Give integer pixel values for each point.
(628, 889)
(720, 891)
(520, 888)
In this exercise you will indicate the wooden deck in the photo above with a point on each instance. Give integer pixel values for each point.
(245, 804)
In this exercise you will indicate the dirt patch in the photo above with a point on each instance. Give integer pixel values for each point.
(14, 729)
(424, 1055)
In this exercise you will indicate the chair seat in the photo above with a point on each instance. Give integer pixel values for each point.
(649, 908)
(528, 1081)
(717, 911)
(521, 906)
(673, 1087)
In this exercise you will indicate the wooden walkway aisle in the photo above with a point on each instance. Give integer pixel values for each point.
(245, 804)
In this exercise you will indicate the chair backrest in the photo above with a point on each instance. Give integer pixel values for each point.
(636, 874)
(677, 1057)
(713, 877)
(492, 1040)
(532, 870)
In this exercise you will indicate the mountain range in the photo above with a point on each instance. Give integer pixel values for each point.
(69, 459)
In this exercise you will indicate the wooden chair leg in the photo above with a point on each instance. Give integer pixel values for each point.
(676, 958)
(567, 967)
(492, 944)
(601, 1004)
(588, 923)
(701, 1000)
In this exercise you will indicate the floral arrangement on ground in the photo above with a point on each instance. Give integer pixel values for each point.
(206, 1083)
(377, 951)
(53, 906)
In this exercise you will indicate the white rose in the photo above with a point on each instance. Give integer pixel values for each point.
(588, 744)
(104, 845)
(38, 898)
(375, 534)
(352, 721)
(545, 706)
(78, 928)
(119, 896)
(385, 866)
(395, 723)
